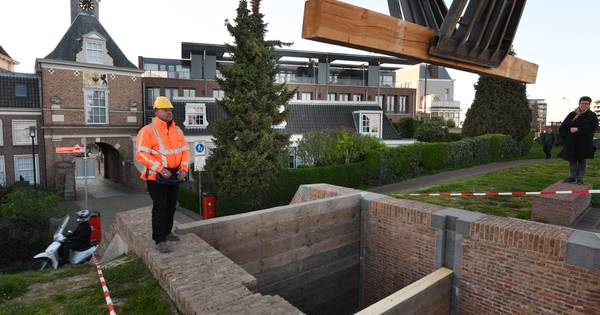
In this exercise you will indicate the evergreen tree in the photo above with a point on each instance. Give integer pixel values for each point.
(249, 152)
(500, 106)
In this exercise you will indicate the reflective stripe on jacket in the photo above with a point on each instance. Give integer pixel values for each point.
(159, 146)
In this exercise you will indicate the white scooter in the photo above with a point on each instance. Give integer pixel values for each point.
(51, 255)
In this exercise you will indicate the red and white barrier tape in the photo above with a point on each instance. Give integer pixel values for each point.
(109, 303)
(512, 193)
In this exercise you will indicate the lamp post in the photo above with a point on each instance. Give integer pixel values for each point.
(32, 135)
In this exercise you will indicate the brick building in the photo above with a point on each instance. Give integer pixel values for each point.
(316, 75)
(20, 114)
(91, 97)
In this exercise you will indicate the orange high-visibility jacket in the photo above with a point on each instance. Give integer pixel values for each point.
(159, 146)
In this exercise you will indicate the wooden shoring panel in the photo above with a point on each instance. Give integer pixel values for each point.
(339, 23)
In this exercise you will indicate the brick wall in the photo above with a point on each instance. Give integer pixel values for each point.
(560, 209)
(125, 117)
(307, 252)
(500, 265)
(195, 276)
(8, 150)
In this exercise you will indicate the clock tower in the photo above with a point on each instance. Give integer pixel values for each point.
(89, 7)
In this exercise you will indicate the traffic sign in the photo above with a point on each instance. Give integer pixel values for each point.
(200, 148)
(75, 149)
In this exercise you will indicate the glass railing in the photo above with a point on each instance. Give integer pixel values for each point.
(166, 74)
(341, 81)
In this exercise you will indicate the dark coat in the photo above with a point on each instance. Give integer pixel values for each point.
(579, 145)
(548, 139)
(80, 239)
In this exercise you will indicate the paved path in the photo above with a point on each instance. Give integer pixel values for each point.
(441, 178)
(109, 198)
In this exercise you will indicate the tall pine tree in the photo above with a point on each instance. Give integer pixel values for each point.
(500, 106)
(249, 152)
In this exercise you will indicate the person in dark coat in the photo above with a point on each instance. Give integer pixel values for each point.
(78, 240)
(577, 132)
(548, 141)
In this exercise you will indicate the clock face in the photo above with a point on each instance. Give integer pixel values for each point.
(86, 5)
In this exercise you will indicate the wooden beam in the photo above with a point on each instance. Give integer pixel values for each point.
(339, 23)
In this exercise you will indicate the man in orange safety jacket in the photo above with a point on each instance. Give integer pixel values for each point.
(162, 149)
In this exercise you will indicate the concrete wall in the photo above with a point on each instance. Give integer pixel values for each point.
(306, 253)
(500, 265)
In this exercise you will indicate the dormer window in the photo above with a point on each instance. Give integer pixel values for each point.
(94, 52)
(281, 125)
(369, 123)
(195, 115)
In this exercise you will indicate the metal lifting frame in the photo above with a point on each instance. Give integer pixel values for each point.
(479, 32)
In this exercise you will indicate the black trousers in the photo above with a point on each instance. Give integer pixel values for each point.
(164, 201)
(548, 151)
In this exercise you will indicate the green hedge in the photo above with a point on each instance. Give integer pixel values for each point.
(24, 225)
(380, 167)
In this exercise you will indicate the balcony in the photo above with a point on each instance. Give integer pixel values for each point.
(166, 74)
(440, 106)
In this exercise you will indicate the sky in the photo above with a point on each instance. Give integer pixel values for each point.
(560, 36)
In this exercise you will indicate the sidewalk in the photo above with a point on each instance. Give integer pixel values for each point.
(109, 198)
(441, 178)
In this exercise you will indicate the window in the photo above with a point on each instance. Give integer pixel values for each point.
(295, 96)
(365, 124)
(402, 100)
(20, 132)
(20, 90)
(24, 168)
(390, 102)
(151, 95)
(306, 96)
(94, 52)
(189, 92)
(379, 100)
(357, 97)
(370, 124)
(2, 171)
(344, 97)
(150, 66)
(1, 133)
(218, 94)
(195, 115)
(96, 111)
(331, 97)
(170, 93)
(386, 79)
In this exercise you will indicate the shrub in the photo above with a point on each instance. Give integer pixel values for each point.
(451, 123)
(433, 155)
(335, 147)
(407, 127)
(432, 130)
(24, 224)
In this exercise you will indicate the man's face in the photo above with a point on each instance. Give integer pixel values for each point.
(165, 115)
(584, 105)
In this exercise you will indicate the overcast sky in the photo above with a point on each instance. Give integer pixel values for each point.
(560, 36)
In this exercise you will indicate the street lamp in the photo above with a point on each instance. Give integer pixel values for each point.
(32, 135)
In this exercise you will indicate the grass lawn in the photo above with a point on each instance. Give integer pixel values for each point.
(77, 290)
(533, 177)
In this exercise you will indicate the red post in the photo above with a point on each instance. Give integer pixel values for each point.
(96, 225)
(209, 205)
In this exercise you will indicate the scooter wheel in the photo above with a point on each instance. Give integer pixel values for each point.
(39, 264)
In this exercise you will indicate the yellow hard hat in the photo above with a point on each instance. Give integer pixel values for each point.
(162, 102)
